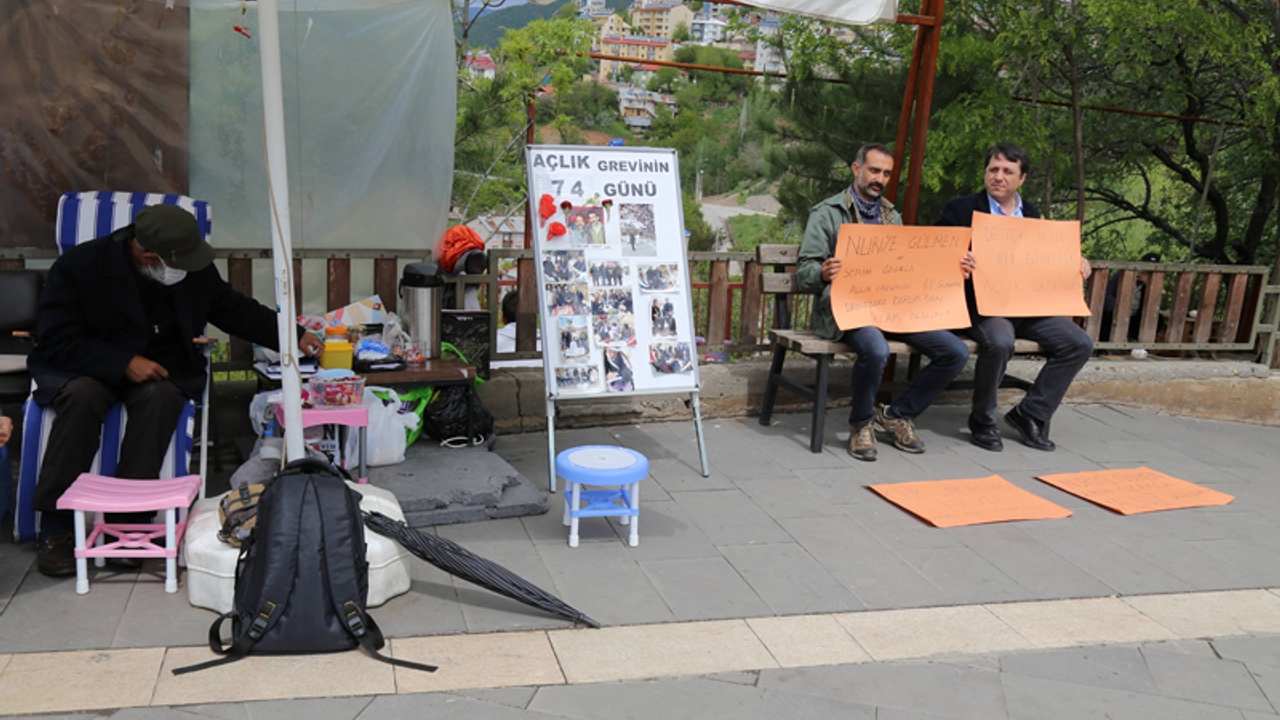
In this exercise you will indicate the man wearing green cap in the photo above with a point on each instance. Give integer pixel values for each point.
(115, 324)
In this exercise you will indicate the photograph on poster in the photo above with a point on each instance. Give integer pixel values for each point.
(618, 374)
(610, 273)
(578, 379)
(575, 346)
(614, 329)
(564, 266)
(639, 235)
(669, 358)
(567, 299)
(611, 302)
(658, 278)
(586, 226)
(663, 312)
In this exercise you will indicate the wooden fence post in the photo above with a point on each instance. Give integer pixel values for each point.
(718, 305)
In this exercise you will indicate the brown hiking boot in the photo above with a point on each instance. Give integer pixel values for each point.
(862, 441)
(902, 429)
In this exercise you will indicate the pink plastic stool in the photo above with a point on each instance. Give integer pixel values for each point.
(98, 494)
(356, 416)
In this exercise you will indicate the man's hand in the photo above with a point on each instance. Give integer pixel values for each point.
(830, 268)
(1085, 269)
(142, 370)
(310, 345)
(968, 264)
(6, 430)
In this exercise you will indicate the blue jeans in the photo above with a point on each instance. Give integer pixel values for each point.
(947, 357)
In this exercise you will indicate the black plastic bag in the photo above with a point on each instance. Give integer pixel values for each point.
(445, 417)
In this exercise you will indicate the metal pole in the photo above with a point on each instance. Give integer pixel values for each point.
(281, 243)
(697, 426)
(551, 440)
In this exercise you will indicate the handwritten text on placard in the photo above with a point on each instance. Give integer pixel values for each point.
(1136, 490)
(1027, 267)
(952, 503)
(900, 279)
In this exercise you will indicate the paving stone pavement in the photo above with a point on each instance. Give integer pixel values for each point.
(794, 544)
(1205, 679)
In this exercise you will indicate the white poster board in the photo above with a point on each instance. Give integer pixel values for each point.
(613, 272)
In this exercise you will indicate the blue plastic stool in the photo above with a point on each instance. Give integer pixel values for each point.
(607, 466)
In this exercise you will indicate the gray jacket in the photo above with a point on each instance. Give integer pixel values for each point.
(819, 244)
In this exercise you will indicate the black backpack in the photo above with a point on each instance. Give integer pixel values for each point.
(302, 581)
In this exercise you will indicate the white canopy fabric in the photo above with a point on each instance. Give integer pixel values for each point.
(850, 12)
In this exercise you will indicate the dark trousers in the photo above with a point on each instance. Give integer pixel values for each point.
(1067, 348)
(82, 405)
(947, 357)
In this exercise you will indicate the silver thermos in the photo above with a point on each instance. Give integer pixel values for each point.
(420, 289)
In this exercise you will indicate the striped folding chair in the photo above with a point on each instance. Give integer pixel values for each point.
(83, 217)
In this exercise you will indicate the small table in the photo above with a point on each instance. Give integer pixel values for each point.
(436, 372)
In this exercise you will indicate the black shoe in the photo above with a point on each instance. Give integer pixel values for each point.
(1033, 431)
(56, 554)
(985, 436)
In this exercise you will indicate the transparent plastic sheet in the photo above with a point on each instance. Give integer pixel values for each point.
(94, 97)
(157, 96)
(370, 106)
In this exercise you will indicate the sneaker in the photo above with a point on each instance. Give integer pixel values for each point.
(902, 429)
(56, 554)
(862, 441)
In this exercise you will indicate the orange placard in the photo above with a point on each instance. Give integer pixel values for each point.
(1027, 268)
(1136, 490)
(952, 503)
(900, 279)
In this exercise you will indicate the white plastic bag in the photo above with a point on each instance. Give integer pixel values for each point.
(387, 430)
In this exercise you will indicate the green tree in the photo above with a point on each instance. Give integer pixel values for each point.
(493, 114)
(665, 80)
(681, 32)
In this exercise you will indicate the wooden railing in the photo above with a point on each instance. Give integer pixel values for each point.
(1198, 307)
(733, 316)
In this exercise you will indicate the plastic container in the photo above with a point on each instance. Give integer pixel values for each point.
(337, 355)
(337, 391)
(211, 563)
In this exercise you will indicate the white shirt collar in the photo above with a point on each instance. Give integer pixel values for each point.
(994, 205)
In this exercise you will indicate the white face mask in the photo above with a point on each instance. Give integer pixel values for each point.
(163, 274)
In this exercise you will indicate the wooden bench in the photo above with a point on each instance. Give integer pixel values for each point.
(781, 283)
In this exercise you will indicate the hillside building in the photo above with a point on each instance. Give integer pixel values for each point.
(639, 108)
(480, 65)
(707, 29)
(768, 59)
(659, 18)
(634, 48)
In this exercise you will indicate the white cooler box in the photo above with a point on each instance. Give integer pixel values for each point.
(211, 563)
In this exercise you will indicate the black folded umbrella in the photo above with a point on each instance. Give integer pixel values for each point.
(461, 562)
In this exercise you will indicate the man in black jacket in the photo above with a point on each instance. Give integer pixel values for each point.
(1066, 345)
(115, 324)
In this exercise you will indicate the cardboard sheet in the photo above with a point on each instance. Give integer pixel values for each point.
(1027, 268)
(900, 279)
(953, 503)
(1136, 490)
(368, 310)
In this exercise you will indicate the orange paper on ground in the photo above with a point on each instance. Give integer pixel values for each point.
(900, 279)
(1027, 268)
(1136, 490)
(952, 503)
